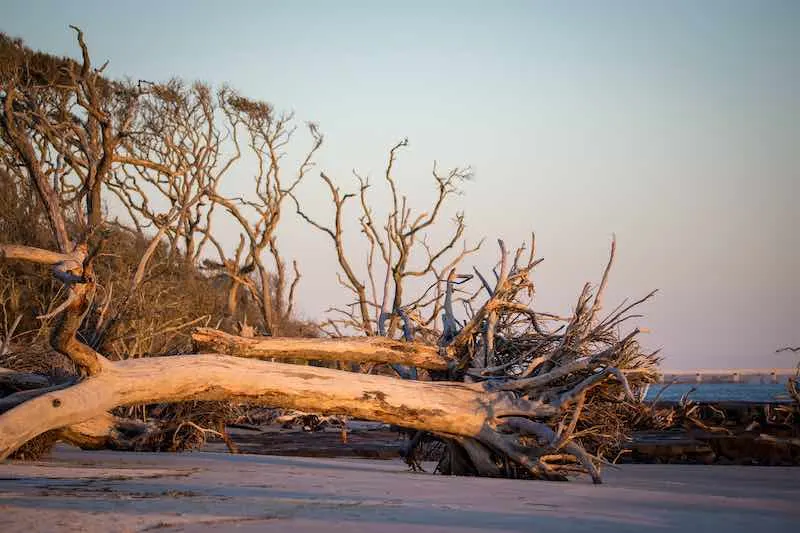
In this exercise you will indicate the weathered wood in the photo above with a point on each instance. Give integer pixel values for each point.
(41, 256)
(447, 408)
(13, 400)
(64, 337)
(349, 349)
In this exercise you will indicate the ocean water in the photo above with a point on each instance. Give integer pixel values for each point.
(717, 392)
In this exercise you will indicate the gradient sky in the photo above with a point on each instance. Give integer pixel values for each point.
(675, 125)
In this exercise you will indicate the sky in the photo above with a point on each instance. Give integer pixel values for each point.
(673, 125)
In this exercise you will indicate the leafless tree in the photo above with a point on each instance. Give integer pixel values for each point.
(180, 128)
(267, 134)
(391, 259)
(64, 123)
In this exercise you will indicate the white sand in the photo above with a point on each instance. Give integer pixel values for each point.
(109, 491)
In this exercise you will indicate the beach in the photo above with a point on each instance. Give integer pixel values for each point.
(112, 491)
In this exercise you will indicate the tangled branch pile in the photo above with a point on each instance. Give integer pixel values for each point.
(563, 391)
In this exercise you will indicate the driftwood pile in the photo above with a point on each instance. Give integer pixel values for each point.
(509, 389)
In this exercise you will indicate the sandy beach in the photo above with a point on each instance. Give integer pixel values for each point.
(111, 491)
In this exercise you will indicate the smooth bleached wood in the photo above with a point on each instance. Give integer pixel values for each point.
(349, 349)
(447, 408)
(31, 254)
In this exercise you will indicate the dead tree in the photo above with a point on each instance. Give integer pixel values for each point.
(378, 309)
(64, 123)
(523, 411)
(63, 128)
(183, 135)
(267, 134)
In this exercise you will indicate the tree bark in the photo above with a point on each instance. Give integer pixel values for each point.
(350, 349)
(444, 408)
(39, 255)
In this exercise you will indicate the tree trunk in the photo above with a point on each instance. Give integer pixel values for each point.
(266, 301)
(353, 349)
(233, 299)
(445, 408)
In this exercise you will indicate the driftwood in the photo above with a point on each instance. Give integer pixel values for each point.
(520, 404)
(511, 390)
(449, 408)
(347, 349)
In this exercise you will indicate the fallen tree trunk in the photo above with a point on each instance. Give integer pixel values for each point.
(531, 399)
(447, 408)
(346, 349)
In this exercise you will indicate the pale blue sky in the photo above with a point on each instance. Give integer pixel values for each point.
(674, 124)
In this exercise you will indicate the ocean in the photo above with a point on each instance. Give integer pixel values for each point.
(718, 392)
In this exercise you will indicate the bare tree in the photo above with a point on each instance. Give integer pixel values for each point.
(518, 411)
(267, 135)
(394, 241)
(65, 123)
(181, 131)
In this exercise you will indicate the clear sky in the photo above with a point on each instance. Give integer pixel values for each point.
(675, 125)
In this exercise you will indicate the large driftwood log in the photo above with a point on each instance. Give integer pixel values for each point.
(447, 408)
(519, 409)
(347, 349)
